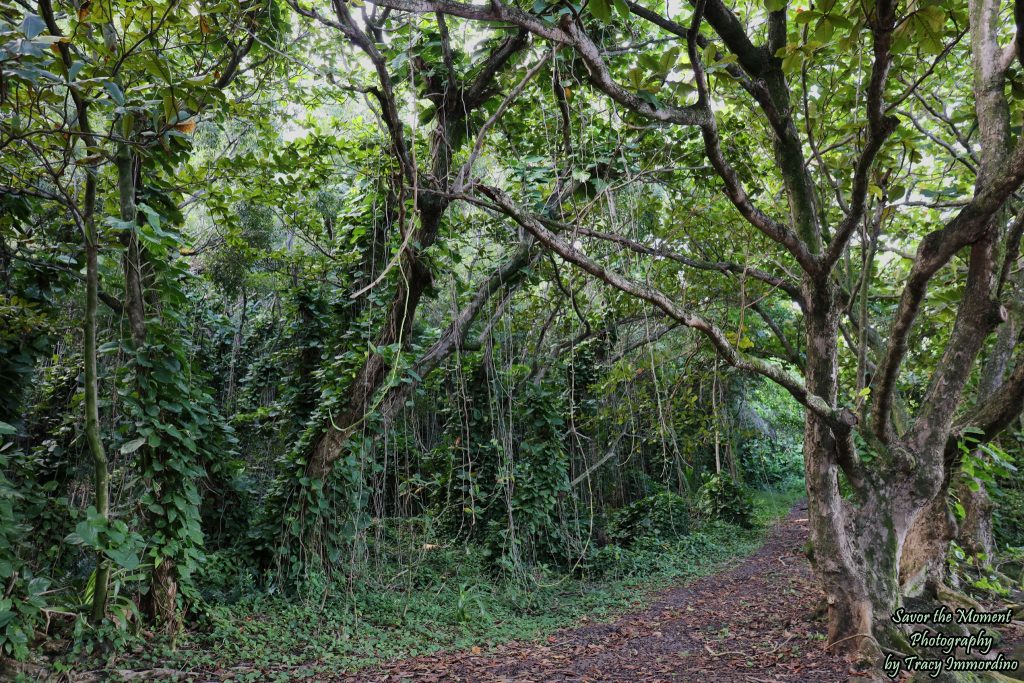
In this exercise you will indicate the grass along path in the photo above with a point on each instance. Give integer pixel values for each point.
(748, 623)
(447, 601)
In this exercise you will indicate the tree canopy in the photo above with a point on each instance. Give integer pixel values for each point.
(298, 283)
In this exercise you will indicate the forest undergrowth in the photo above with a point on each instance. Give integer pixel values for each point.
(334, 333)
(451, 599)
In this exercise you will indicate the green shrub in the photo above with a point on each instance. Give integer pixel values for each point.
(223, 578)
(722, 498)
(662, 515)
(22, 599)
(1008, 516)
(773, 462)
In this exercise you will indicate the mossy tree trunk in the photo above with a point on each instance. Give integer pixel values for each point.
(92, 416)
(455, 101)
(86, 220)
(161, 600)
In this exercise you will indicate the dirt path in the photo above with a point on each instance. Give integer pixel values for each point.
(749, 623)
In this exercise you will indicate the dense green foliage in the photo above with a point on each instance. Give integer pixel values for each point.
(342, 387)
(722, 498)
(521, 471)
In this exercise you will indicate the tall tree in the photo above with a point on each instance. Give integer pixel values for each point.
(868, 547)
(134, 101)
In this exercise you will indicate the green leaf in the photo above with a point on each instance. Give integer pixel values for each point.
(115, 92)
(840, 22)
(709, 53)
(806, 17)
(792, 61)
(668, 60)
(152, 217)
(109, 347)
(824, 30)
(774, 5)
(85, 533)
(132, 446)
(32, 25)
(601, 10)
(118, 224)
(38, 585)
(127, 559)
(94, 12)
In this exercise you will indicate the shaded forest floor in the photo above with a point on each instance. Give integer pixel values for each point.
(413, 604)
(751, 622)
(731, 605)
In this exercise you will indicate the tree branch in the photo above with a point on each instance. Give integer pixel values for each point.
(997, 412)
(936, 249)
(880, 127)
(839, 420)
(723, 267)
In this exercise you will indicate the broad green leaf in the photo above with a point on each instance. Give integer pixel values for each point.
(823, 31)
(601, 10)
(32, 25)
(132, 446)
(126, 559)
(115, 92)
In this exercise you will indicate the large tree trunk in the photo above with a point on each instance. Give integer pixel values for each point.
(923, 560)
(455, 102)
(850, 606)
(92, 416)
(859, 546)
(932, 438)
(397, 329)
(161, 602)
(974, 532)
(924, 555)
(855, 589)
